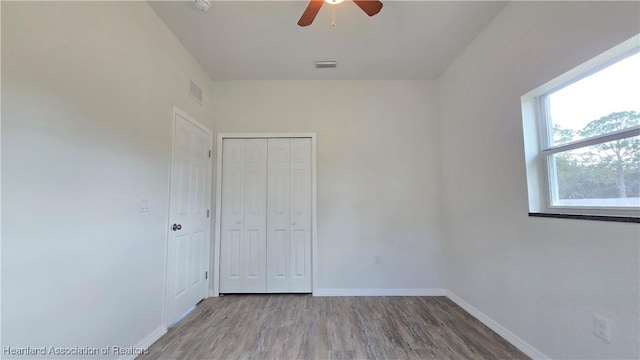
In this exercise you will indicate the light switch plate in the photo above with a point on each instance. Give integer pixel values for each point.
(144, 205)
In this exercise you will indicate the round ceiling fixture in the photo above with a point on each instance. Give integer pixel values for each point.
(202, 5)
(333, 2)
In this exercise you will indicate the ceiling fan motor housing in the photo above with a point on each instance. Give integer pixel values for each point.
(371, 7)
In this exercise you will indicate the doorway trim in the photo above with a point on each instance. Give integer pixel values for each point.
(314, 201)
(177, 111)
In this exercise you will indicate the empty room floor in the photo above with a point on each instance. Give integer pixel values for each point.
(306, 327)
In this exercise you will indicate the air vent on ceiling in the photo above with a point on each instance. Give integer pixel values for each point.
(195, 91)
(326, 64)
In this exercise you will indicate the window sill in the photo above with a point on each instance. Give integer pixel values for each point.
(625, 219)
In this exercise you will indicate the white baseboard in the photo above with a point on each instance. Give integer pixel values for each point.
(380, 292)
(147, 341)
(499, 329)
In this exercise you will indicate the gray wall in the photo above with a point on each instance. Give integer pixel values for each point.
(540, 278)
(377, 165)
(87, 98)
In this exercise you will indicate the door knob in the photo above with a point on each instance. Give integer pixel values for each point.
(176, 227)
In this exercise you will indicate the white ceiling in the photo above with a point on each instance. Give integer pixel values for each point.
(260, 40)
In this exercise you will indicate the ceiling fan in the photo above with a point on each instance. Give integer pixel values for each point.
(371, 7)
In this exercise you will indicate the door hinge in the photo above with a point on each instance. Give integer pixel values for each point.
(206, 275)
(209, 153)
(207, 212)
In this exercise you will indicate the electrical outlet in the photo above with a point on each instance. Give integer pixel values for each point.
(601, 327)
(377, 259)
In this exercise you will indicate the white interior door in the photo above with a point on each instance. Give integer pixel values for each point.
(289, 215)
(188, 247)
(265, 220)
(243, 216)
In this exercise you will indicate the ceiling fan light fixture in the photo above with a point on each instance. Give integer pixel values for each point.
(371, 7)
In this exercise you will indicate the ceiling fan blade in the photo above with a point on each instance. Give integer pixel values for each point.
(371, 7)
(310, 12)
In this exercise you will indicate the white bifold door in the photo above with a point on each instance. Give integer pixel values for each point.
(266, 216)
(243, 217)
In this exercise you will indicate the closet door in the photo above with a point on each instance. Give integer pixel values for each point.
(243, 216)
(289, 215)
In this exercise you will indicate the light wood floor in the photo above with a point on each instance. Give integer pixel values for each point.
(306, 327)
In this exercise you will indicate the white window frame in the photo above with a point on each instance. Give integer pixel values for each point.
(538, 138)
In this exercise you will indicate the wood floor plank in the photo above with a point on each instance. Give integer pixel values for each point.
(306, 327)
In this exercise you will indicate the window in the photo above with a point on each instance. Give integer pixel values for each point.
(582, 138)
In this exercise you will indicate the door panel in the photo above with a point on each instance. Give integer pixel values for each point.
(243, 216)
(266, 216)
(195, 252)
(187, 248)
(289, 216)
(232, 215)
(300, 253)
(278, 210)
(182, 247)
(234, 257)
